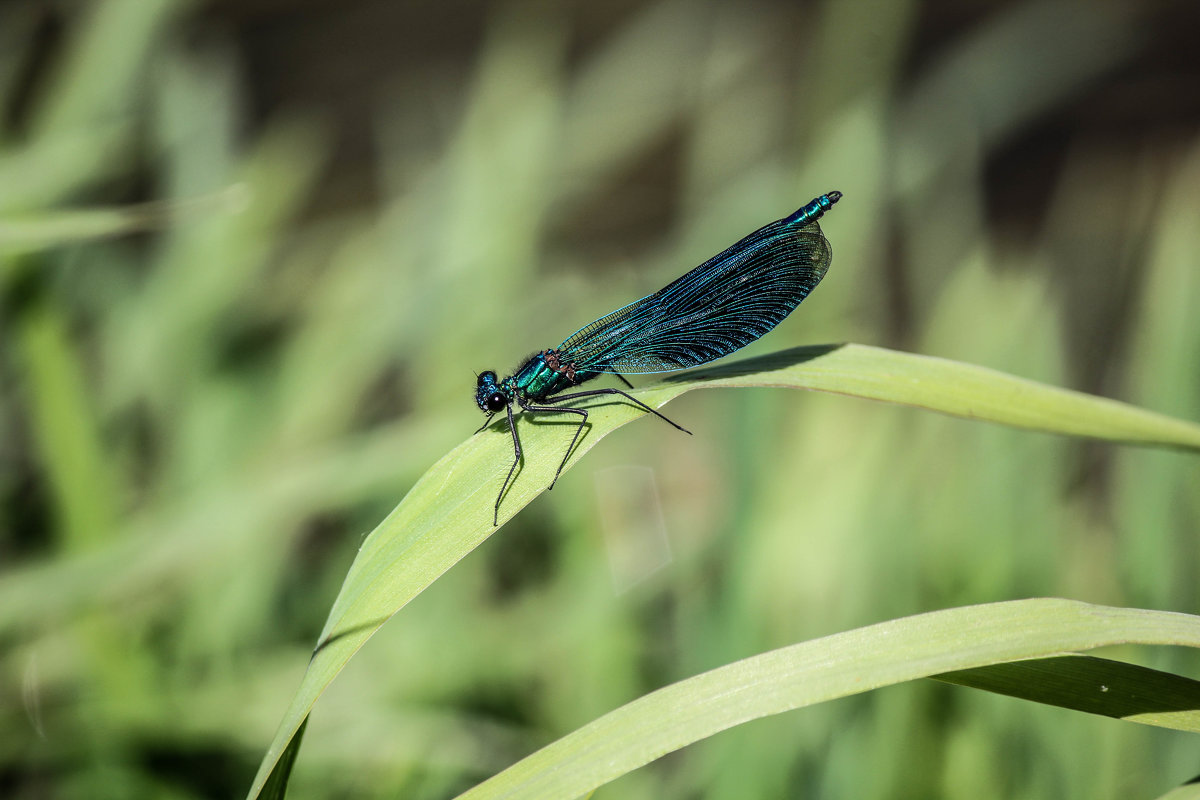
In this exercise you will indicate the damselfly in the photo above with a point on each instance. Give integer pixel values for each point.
(720, 306)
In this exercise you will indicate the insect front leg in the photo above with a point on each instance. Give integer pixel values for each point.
(487, 422)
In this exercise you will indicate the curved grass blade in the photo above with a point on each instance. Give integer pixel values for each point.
(970, 638)
(448, 512)
(948, 387)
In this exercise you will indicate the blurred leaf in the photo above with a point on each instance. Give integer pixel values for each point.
(83, 128)
(31, 232)
(448, 512)
(831, 667)
(63, 418)
(103, 67)
(630, 91)
(172, 548)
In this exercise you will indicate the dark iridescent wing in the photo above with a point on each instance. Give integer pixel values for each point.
(719, 307)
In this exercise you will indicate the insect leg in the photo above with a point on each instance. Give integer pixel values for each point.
(486, 422)
(623, 380)
(630, 398)
(512, 426)
(574, 438)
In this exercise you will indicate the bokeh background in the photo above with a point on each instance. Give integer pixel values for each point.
(332, 214)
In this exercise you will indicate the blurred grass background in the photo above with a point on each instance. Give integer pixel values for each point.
(331, 215)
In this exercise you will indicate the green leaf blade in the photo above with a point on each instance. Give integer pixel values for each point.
(821, 670)
(954, 389)
(448, 512)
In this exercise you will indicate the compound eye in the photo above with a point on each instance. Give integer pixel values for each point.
(496, 401)
(486, 377)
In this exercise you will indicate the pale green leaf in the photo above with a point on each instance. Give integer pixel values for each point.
(825, 669)
(448, 513)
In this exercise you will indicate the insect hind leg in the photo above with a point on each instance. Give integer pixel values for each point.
(551, 406)
(578, 430)
(596, 392)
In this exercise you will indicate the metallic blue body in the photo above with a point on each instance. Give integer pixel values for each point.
(721, 306)
(537, 379)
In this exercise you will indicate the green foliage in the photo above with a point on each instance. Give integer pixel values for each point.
(974, 640)
(447, 514)
(209, 394)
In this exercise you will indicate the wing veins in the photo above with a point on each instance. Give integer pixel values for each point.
(708, 313)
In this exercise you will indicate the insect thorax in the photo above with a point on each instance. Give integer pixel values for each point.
(547, 374)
